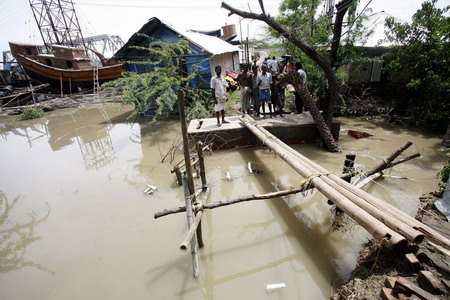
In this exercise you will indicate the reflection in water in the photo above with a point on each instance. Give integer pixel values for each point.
(16, 237)
(105, 236)
(90, 129)
(31, 130)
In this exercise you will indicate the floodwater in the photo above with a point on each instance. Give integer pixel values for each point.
(75, 223)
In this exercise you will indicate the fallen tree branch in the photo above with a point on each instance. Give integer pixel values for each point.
(385, 163)
(402, 160)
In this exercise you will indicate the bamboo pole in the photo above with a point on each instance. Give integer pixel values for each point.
(201, 160)
(389, 237)
(187, 157)
(386, 218)
(386, 207)
(191, 232)
(348, 190)
(189, 216)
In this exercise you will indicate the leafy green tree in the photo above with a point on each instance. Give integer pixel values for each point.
(418, 64)
(304, 18)
(165, 72)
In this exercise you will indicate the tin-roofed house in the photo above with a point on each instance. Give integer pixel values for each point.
(207, 51)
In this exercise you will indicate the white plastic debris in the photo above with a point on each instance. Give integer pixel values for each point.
(270, 288)
(150, 189)
(228, 176)
(249, 166)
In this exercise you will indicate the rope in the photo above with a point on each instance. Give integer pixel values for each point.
(197, 206)
(307, 182)
(409, 201)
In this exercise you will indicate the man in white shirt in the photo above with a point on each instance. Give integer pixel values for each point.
(273, 66)
(264, 84)
(219, 92)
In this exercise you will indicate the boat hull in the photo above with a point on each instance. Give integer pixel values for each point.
(68, 80)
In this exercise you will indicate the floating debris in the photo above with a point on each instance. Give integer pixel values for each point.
(249, 167)
(275, 287)
(150, 189)
(358, 134)
(228, 176)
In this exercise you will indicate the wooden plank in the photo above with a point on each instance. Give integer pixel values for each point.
(413, 262)
(387, 294)
(404, 285)
(430, 283)
(440, 226)
(389, 282)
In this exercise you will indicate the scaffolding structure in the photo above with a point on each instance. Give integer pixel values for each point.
(57, 22)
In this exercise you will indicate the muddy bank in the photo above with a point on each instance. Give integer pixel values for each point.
(381, 273)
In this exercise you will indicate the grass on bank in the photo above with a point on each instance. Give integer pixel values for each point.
(31, 113)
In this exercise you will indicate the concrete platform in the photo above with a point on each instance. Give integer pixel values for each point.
(291, 129)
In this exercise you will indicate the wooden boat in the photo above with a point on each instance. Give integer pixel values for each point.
(66, 69)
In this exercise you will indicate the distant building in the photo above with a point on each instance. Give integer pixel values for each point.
(363, 75)
(207, 50)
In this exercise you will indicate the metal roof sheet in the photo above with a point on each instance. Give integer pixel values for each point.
(211, 44)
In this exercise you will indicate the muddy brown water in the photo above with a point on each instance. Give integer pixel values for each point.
(75, 223)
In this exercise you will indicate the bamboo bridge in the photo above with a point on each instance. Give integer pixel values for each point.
(383, 220)
(394, 228)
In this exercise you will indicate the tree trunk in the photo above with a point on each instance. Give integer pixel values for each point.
(325, 132)
(307, 49)
(328, 108)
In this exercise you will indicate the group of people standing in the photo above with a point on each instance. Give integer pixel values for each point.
(259, 87)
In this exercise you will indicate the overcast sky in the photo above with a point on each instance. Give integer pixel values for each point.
(123, 18)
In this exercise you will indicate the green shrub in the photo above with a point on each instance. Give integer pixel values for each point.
(31, 113)
(445, 172)
(198, 110)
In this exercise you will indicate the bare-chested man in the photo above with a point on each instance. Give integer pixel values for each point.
(245, 82)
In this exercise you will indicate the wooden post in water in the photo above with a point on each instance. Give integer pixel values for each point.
(61, 84)
(348, 165)
(187, 158)
(190, 220)
(201, 160)
(178, 174)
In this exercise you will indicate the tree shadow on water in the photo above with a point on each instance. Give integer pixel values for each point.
(15, 237)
